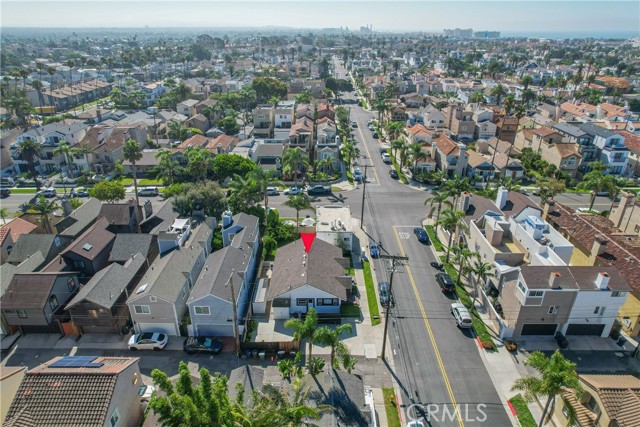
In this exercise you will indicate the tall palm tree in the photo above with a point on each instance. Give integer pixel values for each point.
(242, 193)
(597, 182)
(168, 166)
(299, 202)
(499, 91)
(65, 149)
(349, 152)
(284, 407)
(294, 162)
(396, 145)
(83, 150)
(198, 161)
(305, 329)
(44, 209)
(438, 199)
(455, 187)
(451, 221)
(462, 256)
(556, 375)
(331, 337)
(416, 154)
(482, 270)
(70, 63)
(29, 151)
(132, 153)
(526, 81)
(509, 103)
(37, 85)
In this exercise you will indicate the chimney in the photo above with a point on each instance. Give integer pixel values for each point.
(602, 281)
(599, 247)
(599, 114)
(465, 198)
(546, 208)
(554, 279)
(501, 197)
(618, 213)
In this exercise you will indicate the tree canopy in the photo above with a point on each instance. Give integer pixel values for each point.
(208, 195)
(108, 191)
(268, 87)
(228, 165)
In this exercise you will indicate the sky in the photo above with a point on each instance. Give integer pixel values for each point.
(567, 16)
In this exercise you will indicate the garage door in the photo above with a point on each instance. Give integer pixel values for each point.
(578, 329)
(214, 330)
(166, 328)
(539, 329)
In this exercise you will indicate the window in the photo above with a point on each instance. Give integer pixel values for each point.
(553, 309)
(618, 294)
(522, 288)
(153, 298)
(301, 301)
(78, 264)
(22, 314)
(536, 294)
(592, 404)
(53, 302)
(565, 411)
(142, 309)
(204, 310)
(93, 313)
(596, 310)
(327, 301)
(71, 284)
(115, 418)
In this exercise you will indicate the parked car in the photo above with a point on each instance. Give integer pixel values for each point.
(318, 190)
(354, 124)
(422, 235)
(5, 192)
(587, 210)
(80, 192)
(273, 191)
(461, 314)
(210, 345)
(375, 135)
(437, 265)
(148, 341)
(357, 175)
(148, 192)
(145, 392)
(47, 192)
(292, 191)
(383, 291)
(386, 158)
(393, 174)
(561, 340)
(374, 250)
(371, 128)
(446, 282)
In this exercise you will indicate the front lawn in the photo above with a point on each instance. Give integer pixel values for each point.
(374, 312)
(23, 190)
(435, 241)
(390, 407)
(522, 411)
(350, 310)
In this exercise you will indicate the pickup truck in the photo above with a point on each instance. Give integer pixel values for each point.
(318, 190)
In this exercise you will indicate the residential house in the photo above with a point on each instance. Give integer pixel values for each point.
(211, 299)
(100, 305)
(89, 253)
(69, 95)
(507, 128)
(122, 217)
(328, 144)
(263, 121)
(418, 133)
(152, 91)
(126, 245)
(587, 149)
(48, 245)
(301, 134)
(79, 391)
(10, 232)
(480, 167)
(460, 123)
(599, 243)
(159, 302)
(187, 107)
(450, 158)
(334, 226)
(78, 221)
(302, 280)
(145, 164)
(284, 114)
(632, 142)
(549, 143)
(608, 400)
(413, 100)
(268, 155)
(398, 114)
(198, 121)
(10, 379)
(309, 111)
(34, 302)
(613, 152)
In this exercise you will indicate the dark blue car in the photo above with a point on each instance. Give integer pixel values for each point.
(422, 234)
(374, 250)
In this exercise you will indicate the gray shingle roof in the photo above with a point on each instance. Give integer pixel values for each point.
(568, 129)
(7, 271)
(80, 218)
(161, 220)
(323, 269)
(127, 244)
(30, 290)
(106, 285)
(29, 244)
(117, 213)
(592, 129)
(214, 277)
(63, 397)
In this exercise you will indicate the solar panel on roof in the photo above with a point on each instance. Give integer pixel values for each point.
(76, 362)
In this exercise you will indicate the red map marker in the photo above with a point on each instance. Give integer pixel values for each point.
(307, 240)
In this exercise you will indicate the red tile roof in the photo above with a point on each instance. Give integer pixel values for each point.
(16, 227)
(631, 140)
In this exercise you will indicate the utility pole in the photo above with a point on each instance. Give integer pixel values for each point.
(364, 189)
(395, 260)
(236, 332)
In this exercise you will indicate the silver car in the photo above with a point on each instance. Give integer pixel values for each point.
(461, 314)
(148, 341)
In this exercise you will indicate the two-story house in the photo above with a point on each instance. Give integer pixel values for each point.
(613, 152)
(507, 128)
(587, 149)
(159, 302)
(301, 134)
(187, 107)
(89, 253)
(434, 118)
(263, 121)
(460, 123)
(284, 114)
(211, 299)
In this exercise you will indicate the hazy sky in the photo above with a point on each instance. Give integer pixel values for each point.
(511, 15)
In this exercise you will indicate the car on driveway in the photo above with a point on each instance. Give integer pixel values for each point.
(209, 345)
(461, 314)
(148, 341)
(145, 392)
(293, 191)
(148, 192)
(318, 190)
(393, 173)
(445, 282)
(47, 192)
(374, 250)
(421, 234)
(272, 191)
(383, 291)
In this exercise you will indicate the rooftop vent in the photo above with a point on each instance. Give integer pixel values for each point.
(87, 247)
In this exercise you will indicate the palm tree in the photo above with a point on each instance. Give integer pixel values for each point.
(597, 182)
(294, 162)
(455, 187)
(242, 193)
(438, 199)
(70, 64)
(133, 153)
(451, 221)
(526, 81)
(381, 106)
(305, 329)
(483, 270)
(396, 145)
(65, 149)
(37, 85)
(349, 362)
(168, 166)
(44, 209)
(499, 91)
(4, 212)
(29, 151)
(509, 103)
(462, 256)
(299, 202)
(283, 407)
(198, 163)
(557, 374)
(416, 154)
(331, 337)
(263, 179)
(349, 152)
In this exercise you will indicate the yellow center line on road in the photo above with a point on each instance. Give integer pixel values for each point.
(430, 332)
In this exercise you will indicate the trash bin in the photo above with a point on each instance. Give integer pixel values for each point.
(262, 355)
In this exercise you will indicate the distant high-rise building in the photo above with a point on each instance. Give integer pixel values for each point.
(461, 33)
(366, 29)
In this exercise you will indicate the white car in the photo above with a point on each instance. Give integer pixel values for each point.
(145, 392)
(293, 191)
(148, 191)
(461, 314)
(148, 341)
(272, 191)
